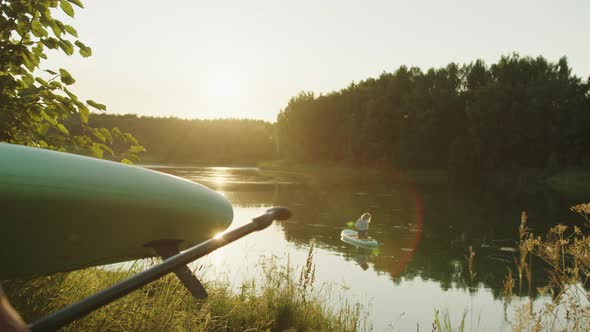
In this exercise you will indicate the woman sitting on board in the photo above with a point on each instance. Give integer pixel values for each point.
(362, 226)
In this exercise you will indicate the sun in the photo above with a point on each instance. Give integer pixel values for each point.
(223, 86)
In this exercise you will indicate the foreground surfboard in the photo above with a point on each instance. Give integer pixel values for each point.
(61, 212)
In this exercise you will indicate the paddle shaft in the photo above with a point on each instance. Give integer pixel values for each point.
(77, 310)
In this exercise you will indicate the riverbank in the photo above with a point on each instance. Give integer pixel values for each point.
(334, 174)
(571, 182)
(282, 299)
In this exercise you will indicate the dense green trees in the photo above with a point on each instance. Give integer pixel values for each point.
(174, 140)
(521, 112)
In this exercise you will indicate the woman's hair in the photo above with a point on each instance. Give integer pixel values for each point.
(366, 216)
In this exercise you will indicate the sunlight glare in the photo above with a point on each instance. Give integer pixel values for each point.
(223, 87)
(219, 175)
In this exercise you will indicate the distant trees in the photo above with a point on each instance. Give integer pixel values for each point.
(173, 140)
(520, 112)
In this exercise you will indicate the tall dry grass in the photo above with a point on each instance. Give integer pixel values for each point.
(277, 301)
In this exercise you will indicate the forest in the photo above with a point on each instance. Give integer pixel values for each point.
(472, 119)
(518, 114)
(202, 142)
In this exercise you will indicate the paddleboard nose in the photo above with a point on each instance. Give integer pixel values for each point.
(63, 211)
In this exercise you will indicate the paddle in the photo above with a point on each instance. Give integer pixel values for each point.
(85, 306)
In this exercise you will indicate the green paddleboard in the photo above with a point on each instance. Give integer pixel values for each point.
(60, 211)
(351, 237)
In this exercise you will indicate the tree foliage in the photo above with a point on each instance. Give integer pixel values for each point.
(521, 112)
(37, 107)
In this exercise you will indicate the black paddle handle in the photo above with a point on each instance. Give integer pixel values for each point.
(77, 310)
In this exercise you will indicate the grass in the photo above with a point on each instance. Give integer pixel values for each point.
(565, 255)
(283, 299)
(442, 322)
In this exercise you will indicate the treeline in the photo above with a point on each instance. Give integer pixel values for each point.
(173, 140)
(521, 112)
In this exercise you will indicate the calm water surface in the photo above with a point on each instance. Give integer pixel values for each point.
(424, 234)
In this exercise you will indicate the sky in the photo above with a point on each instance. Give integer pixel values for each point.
(246, 59)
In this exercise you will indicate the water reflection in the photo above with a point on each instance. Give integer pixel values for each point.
(424, 234)
(223, 178)
(220, 175)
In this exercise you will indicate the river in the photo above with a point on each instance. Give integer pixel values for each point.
(424, 231)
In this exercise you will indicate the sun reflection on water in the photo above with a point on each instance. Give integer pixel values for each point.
(220, 175)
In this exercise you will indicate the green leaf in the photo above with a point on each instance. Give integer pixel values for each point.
(38, 30)
(38, 49)
(48, 118)
(126, 161)
(27, 92)
(73, 97)
(67, 8)
(50, 42)
(22, 28)
(85, 51)
(99, 135)
(41, 81)
(33, 59)
(60, 25)
(63, 129)
(130, 138)
(65, 77)
(44, 11)
(136, 149)
(84, 113)
(55, 85)
(107, 134)
(70, 29)
(96, 105)
(77, 3)
(107, 149)
(28, 63)
(134, 158)
(57, 31)
(28, 80)
(96, 150)
(50, 71)
(42, 129)
(66, 46)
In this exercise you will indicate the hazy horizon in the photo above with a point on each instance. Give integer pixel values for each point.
(201, 60)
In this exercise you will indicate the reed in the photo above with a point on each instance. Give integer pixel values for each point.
(564, 252)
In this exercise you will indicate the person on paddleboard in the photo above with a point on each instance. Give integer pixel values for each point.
(362, 226)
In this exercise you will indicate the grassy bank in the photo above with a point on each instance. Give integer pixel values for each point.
(282, 299)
